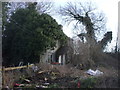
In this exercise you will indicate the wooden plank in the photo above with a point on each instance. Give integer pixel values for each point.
(13, 68)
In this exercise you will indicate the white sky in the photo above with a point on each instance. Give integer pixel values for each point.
(109, 8)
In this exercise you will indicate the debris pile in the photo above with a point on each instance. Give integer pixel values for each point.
(61, 77)
(47, 79)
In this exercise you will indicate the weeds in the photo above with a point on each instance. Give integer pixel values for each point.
(88, 82)
(54, 86)
(10, 77)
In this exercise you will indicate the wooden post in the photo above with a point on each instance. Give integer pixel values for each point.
(3, 77)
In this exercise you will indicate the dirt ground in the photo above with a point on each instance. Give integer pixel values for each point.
(57, 76)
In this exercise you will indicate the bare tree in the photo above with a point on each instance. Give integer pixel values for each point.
(45, 6)
(42, 6)
(9, 8)
(87, 16)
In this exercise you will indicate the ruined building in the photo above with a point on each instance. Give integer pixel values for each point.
(60, 54)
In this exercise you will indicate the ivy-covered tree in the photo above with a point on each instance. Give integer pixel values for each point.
(28, 34)
(92, 22)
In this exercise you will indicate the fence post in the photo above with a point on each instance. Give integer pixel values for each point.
(3, 76)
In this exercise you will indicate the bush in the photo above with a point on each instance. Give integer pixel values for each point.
(89, 82)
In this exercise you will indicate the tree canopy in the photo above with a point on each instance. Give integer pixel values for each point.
(28, 34)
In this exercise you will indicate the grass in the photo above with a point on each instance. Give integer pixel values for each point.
(10, 77)
(89, 82)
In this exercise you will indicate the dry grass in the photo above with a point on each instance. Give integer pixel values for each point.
(10, 77)
(64, 70)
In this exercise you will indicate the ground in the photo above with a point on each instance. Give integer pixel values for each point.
(67, 76)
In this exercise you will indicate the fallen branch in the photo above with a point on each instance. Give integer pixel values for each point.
(42, 71)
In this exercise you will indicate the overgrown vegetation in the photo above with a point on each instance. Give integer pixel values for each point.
(89, 82)
(27, 34)
(49, 76)
(89, 23)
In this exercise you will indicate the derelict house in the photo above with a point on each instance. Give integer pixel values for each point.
(60, 54)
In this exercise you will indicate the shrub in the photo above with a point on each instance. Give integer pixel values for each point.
(88, 82)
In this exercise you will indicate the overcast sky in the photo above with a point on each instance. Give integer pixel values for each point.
(109, 8)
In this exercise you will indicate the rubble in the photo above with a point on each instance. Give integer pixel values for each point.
(47, 79)
(55, 78)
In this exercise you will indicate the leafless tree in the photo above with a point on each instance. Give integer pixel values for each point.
(42, 6)
(92, 22)
(45, 6)
(85, 15)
